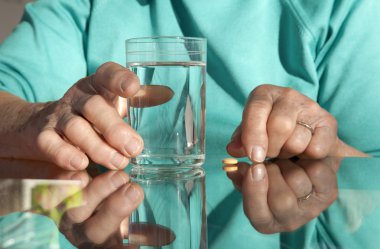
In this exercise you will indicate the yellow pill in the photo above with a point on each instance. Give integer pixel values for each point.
(230, 161)
(230, 168)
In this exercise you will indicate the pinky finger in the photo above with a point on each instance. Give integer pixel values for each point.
(60, 152)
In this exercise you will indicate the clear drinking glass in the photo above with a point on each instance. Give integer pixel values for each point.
(175, 202)
(169, 110)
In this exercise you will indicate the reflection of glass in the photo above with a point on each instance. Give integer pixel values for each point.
(171, 118)
(174, 199)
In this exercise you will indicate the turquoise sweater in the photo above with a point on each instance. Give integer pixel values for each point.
(328, 50)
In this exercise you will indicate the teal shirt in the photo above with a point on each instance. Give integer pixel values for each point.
(328, 50)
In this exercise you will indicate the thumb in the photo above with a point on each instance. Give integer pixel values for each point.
(255, 200)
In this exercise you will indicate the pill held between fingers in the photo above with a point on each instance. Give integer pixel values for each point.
(230, 168)
(230, 161)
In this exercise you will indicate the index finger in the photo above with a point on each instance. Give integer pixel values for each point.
(254, 129)
(255, 191)
(114, 78)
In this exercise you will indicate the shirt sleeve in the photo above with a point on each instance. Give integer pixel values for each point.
(46, 53)
(348, 66)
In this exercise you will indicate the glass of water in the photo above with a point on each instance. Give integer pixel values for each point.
(173, 209)
(169, 110)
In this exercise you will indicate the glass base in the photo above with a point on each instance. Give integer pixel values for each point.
(169, 160)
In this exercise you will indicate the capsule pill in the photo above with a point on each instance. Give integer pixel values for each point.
(230, 161)
(230, 168)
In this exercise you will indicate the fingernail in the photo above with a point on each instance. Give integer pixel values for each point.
(118, 160)
(117, 180)
(132, 194)
(257, 172)
(77, 162)
(258, 154)
(133, 146)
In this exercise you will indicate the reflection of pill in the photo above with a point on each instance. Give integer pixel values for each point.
(230, 161)
(230, 168)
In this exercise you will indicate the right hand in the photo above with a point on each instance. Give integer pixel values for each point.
(87, 122)
(283, 195)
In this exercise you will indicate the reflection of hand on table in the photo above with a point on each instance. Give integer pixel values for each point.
(103, 220)
(284, 195)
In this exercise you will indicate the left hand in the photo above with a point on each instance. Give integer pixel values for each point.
(281, 196)
(281, 122)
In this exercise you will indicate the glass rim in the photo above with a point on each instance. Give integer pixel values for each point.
(156, 39)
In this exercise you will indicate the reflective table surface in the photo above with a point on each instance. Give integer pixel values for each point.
(36, 198)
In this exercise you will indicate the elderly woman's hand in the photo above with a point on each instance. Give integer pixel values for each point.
(86, 123)
(102, 218)
(283, 195)
(281, 122)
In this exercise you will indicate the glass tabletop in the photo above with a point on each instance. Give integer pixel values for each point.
(342, 212)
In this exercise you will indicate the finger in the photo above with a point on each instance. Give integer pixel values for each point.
(237, 176)
(116, 79)
(114, 210)
(99, 189)
(80, 133)
(60, 152)
(280, 125)
(296, 143)
(321, 174)
(295, 177)
(321, 143)
(325, 189)
(151, 95)
(81, 176)
(108, 122)
(281, 199)
(143, 234)
(255, 202)
(254, 125)
(235, 147)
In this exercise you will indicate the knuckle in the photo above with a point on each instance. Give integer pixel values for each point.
(74, 122)
(312, 106)
(55, 151)
(131, 77)
(289, 92)
(282, 204)
(256, 106)
(93, 100)
(333, 123)
(295, 146)
(102, 68)
(300, 183)
(316, 172)
(317, 151)
(280, 124)
(117, 74)
(263, 88)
